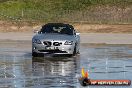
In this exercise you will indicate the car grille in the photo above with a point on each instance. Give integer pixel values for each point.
(47, 43)
(57, 44)
(53, 51)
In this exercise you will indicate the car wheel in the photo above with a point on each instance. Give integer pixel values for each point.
(78, 52)
(34, 54)
(74, 52)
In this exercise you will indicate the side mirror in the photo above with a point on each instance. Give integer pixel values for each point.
(36, 31)
(77, 33)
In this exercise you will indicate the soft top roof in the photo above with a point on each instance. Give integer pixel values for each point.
(58, 24)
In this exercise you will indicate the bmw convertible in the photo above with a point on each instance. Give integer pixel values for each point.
(56, 38)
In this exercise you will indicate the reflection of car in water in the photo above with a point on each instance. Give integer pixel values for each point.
(54, 65)
(56, 71)
(56, 38)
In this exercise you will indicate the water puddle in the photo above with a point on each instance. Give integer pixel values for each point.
(19, 70)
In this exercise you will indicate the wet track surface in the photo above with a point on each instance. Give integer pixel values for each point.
(19, 70)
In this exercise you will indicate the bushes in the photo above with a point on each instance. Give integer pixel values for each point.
(57, 10)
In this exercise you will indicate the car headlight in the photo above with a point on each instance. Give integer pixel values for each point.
(37, 41)
(68, 43)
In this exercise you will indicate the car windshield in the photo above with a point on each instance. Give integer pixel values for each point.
(60, 29)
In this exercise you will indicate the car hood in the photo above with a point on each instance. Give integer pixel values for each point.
(53, 36)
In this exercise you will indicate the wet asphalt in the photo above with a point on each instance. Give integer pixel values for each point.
(18, 69)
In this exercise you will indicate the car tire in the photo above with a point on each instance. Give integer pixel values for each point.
(34, 54)
(75, 51)
(78, 52)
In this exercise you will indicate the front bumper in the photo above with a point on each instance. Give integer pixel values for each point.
(63, 49)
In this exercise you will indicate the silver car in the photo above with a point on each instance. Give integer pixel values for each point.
(56, 38)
